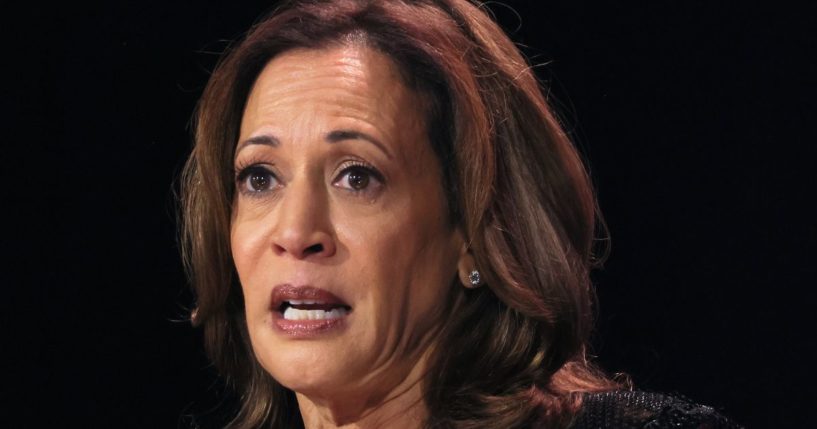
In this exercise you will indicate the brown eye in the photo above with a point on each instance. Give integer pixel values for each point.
(358, 179)
(259, 182)
(255, 179)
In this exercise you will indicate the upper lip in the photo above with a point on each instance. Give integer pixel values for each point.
(287, 292)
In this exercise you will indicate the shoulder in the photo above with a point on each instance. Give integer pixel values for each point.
(636, 409)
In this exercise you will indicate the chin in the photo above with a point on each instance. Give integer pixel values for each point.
(307, 367)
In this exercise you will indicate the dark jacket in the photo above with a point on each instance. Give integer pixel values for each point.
(634, 409)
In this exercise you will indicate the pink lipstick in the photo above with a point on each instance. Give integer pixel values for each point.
(306, 311)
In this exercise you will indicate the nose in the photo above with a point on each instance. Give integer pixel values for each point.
(303, 228)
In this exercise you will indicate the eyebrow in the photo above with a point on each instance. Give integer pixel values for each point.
(264, 139)
(332, 137)
(340, 135)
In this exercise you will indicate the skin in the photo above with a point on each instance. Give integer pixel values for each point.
(387, 249)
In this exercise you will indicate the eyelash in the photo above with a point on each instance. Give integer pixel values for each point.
(352, 165)
(244, 170)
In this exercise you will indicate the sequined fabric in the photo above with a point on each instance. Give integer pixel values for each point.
(644, 410)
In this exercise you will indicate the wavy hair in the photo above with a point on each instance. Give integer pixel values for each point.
(514, 352)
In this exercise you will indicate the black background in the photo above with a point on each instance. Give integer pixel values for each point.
(697, 121)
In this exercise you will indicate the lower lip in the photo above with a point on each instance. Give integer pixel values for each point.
(307, 328)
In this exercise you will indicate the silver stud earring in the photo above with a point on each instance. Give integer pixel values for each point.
(474, 278)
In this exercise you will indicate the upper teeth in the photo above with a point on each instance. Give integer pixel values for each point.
(292, 313)
(303, 301)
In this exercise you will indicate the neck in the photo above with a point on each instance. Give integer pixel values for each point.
(402, 406)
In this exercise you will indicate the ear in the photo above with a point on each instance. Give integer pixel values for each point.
(466, 265)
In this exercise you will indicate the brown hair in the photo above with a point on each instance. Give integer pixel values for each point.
(514, 351)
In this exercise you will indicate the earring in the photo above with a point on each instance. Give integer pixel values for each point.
(474, 278)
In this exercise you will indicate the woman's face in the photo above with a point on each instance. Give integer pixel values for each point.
(340, 232)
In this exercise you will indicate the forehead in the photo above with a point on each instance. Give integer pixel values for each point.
(356, 64)
(354, 82)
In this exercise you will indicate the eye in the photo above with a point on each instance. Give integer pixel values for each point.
(255, 179)
(358, 177)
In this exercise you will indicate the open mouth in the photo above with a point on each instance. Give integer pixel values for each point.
(306, 309)
(307, 303)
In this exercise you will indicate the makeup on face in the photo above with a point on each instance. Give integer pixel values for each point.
(339, 232)
(306, 311)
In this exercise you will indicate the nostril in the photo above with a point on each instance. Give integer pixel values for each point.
(315, 248)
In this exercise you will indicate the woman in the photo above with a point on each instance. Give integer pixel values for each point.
(385, 226)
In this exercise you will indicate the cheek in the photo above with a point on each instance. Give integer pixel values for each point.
(247, 246)
(409, 259)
